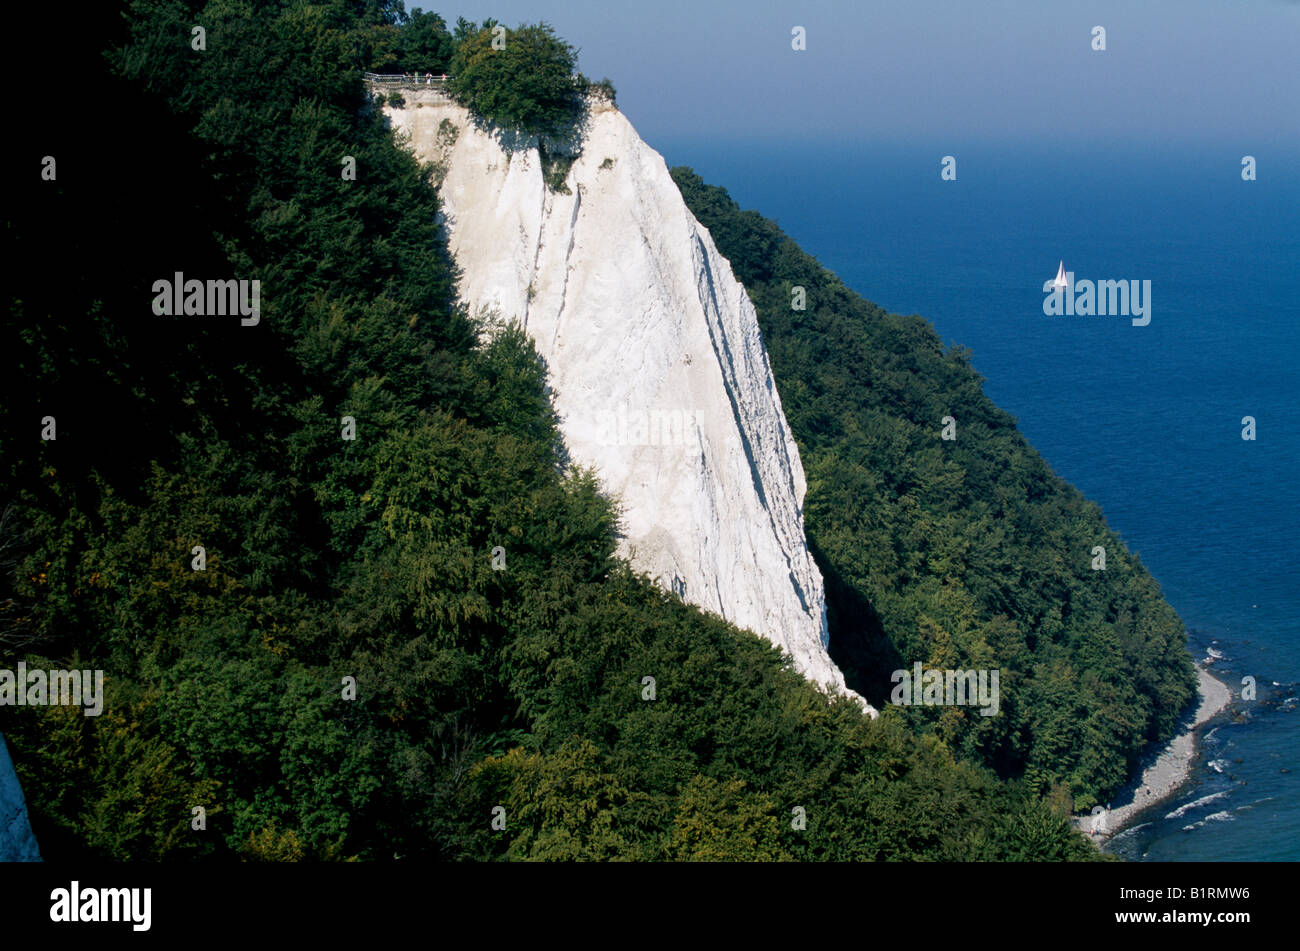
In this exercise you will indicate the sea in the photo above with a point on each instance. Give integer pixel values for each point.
(1147, 421)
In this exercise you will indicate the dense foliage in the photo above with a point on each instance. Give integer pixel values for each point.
(966, 553)
(523, 78)
(386, 39)
(329, 558)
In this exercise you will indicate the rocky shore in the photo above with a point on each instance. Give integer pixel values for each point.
(1166, 773)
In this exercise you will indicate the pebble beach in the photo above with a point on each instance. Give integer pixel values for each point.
(1162, 777)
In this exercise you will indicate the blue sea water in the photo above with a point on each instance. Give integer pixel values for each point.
(1146, 421)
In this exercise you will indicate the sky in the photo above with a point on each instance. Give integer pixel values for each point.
(1219, 73)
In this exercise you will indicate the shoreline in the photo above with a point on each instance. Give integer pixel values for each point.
(1164, 776)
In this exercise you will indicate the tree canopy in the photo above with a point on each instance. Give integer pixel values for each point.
(524, 78)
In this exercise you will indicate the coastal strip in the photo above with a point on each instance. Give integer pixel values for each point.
(1170, 770)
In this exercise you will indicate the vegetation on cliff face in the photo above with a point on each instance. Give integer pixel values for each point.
(515, 695)
(966, 553)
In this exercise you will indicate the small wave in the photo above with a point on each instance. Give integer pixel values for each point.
(1183, 810)
(1123, 837)
(1218, 765)
(1251, 805)
(1213, 817)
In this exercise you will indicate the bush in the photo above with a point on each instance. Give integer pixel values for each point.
(604, 89)
(555, 169)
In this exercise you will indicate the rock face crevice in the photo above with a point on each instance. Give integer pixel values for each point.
(657, 366)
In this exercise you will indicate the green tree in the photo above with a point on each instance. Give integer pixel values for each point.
(424, 45)
(721, 822)
(527, 84)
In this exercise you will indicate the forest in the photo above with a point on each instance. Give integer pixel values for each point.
(350, 676)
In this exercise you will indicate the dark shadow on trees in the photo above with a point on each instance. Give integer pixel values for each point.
(859, 645)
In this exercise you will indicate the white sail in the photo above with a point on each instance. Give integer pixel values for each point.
(1060, 281)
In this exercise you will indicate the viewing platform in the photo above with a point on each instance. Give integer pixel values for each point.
(403, 79)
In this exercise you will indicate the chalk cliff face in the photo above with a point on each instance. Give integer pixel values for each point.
(654, 356)
(17, 844)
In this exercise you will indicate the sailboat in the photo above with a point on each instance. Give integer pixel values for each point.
(1061, 282)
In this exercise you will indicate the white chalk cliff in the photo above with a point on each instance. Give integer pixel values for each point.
(654, 357)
